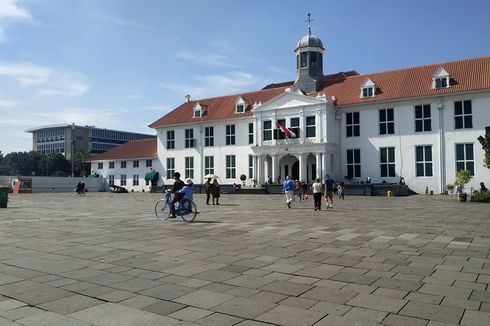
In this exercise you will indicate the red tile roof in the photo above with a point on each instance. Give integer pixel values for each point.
(466, 75)
(145, 148)
(216, 108)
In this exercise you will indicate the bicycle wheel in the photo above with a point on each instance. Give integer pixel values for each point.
(191, 210)
(161, 210)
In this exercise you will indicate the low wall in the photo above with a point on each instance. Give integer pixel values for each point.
(60, 184)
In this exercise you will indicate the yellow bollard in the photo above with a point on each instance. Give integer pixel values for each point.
(389, 194)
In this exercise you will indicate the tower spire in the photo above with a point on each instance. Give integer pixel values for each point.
(309, 20)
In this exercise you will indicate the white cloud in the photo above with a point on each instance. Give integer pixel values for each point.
(214, 60)
(117, 21)
(25, 73)
(10, 11)
(6, 104)
(134, 96)
(214, 85)
(48, 81)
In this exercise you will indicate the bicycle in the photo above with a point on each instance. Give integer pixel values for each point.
(186, 210)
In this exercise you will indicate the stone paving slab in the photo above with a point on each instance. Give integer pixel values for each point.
(105, 260)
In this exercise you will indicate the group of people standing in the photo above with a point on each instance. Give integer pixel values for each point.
(317, 189)
(212, 190)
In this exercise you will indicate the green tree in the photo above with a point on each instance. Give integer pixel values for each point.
(54, 164)
(23, 163)
(485, 143)
(82, 164)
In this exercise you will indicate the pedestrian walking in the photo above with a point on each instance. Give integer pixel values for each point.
(207, 189)
(316, 188)
(288, 188)
(215, 191)
(341, 190)
(297, 189)
(329, 184)
(304, 190)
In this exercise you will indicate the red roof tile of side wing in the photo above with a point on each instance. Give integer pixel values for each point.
(466, 75)
(217, 108)
(145, 148)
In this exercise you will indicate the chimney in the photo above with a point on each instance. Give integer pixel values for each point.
(187, 98)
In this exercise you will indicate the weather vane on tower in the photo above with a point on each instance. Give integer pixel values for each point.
(309, 20)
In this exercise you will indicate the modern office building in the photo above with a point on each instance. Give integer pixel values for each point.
(69, 139)
(419, 123)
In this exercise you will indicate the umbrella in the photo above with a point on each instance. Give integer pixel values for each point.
(211, 176)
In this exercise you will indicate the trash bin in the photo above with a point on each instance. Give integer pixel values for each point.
(4, 196)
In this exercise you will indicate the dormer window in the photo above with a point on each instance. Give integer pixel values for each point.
(368, 88)
(240, 105)
(197, 111)
(440, 79)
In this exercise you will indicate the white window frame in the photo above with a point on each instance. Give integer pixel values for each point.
(427, 165)
(388, 162)
(170, 139)
(230, 134)
(189, 167)
(353, 164)
(468, 164)
(230, 167)
(170, 167)
(136, 180)
(189, 137)
(423, 118)
(123, 180)
(208, 165)
(209, 136)
(352, 126)
(111, 179)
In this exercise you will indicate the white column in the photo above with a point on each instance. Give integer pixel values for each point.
(302, 127)
(302, 167)
(260, 169)
(274, 167)
(318, 157)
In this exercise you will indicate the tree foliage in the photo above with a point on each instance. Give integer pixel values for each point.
(82, 165)
(35, 163)
(23, 163)
(462, 178)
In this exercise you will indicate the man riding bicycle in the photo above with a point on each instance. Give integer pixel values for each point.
(178, 185)
(187, 191)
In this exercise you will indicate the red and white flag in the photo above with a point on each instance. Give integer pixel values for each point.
(287, 132)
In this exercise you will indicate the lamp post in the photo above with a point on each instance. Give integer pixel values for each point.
(72, 149)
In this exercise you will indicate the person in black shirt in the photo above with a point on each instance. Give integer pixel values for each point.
(178, 184)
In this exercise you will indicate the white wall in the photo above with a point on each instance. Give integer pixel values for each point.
(443, 139)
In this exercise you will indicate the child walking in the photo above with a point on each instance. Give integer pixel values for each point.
(341, 190)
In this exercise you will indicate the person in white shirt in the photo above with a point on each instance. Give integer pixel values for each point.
(317, 194)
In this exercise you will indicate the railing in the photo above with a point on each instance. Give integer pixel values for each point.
(289, 141)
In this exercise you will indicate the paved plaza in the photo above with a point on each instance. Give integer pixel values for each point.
(104, 259)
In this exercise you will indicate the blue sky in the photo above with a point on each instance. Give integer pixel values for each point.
(121, 64)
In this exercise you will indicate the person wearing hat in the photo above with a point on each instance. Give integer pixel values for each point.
(187, 189)
(178, 185)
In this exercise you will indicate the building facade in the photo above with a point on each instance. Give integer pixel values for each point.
(133, 165)
(69, 139)
(420, 124)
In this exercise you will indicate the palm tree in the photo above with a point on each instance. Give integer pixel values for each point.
(82, 158)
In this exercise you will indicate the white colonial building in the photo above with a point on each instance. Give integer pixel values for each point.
(133, 165)
(420, 123)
